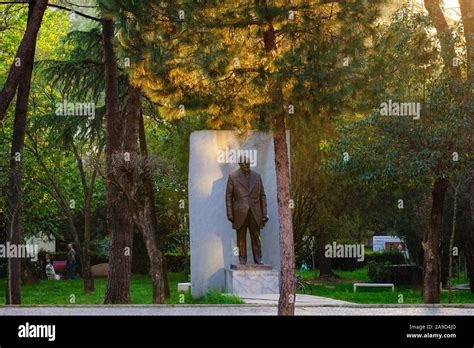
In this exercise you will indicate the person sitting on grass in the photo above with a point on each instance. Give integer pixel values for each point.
(50, 272)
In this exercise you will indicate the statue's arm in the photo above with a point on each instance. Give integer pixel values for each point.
(229, 199)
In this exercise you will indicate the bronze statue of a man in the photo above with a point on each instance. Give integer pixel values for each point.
(246, 205)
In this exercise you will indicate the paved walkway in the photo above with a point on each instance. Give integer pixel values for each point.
(301, 300)
(233, 310)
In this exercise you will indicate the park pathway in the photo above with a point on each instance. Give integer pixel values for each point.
(232, 310)
(301, 300)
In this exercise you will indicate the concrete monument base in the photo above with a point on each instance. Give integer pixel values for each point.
(251, 280)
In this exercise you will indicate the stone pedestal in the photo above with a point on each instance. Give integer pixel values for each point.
(251, 267)
(251, 279)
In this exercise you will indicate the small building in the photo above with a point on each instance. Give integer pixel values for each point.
(389, 243)
(384, 243)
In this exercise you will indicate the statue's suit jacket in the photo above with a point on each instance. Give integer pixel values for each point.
(240, 198)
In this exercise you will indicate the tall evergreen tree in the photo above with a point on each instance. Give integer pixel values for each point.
(119, 217)
(245, 65)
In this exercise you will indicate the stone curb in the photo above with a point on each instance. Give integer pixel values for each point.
(352, 305)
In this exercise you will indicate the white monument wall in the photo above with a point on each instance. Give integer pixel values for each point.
(212, 238)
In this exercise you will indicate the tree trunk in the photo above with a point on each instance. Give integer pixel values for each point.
(141, 208)
(119, 219)
(155, 232)
(470, 271)
(286, 302)
(432, 261)
(469, 239)
(154, 253)
(13, 295)
(87, 190)
(447, 48)
(28, 274)
(467, 16)
(86, 258)
(466, 239)
(325, 266)
(448, 52)
(451, 242)
(82, 247)
(24, 53)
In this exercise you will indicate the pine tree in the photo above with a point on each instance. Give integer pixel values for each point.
(246, 65)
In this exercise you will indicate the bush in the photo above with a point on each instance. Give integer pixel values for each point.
(96, 259)
(346, 264)
(350, 264)
(376, 272)
(178, 263)
(392, 257)
(396, 274)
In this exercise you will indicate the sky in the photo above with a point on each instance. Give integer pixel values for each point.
(452, 9)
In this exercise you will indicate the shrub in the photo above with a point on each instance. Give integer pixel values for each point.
(376, 271)
(346, 264)
(396, 274)
(178, 263)
(350, 264)
(392, 257)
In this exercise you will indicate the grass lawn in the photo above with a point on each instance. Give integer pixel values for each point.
(343, 290)
(59, 292)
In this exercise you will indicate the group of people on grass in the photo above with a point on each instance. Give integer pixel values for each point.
(70, 263)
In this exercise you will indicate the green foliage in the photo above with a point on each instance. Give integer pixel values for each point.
(385, 272)
(80, 72)
(392, 257)
(376, 271)
(214, 60)
(387, 152)
(40, 213)
(178, 263)
(391, 158)
(168, 144)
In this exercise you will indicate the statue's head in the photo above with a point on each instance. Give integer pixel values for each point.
(244, 164)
